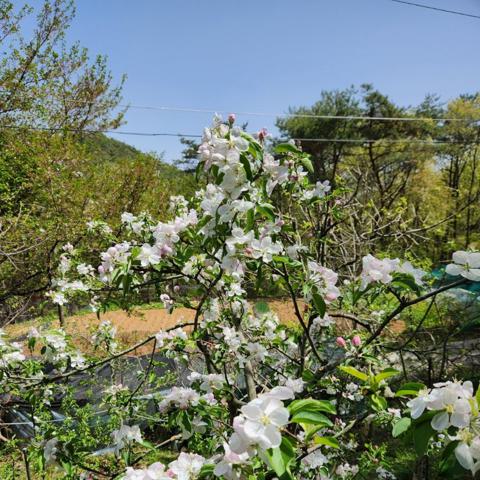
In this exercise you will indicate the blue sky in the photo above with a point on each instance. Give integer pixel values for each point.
(264, 56)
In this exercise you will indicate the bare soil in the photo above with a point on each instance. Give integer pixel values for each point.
(135, 326)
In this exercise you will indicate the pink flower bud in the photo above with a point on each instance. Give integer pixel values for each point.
(341, 342)
(356, 341)
(262, 134)
(176, 288)
(330, 297)
(165, 250)
(231, 118)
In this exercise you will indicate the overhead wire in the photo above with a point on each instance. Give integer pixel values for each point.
(299, 115)
(437, 9)
(188, 135)
(211, 111)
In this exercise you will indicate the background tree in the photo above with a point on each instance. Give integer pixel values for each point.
(459, 163)
(391, 169)
(54, 173)
(44, 82)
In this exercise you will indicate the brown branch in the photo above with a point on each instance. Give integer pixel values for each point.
(408, 303)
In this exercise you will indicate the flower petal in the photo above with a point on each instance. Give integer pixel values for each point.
(440, 421)
(463, 455)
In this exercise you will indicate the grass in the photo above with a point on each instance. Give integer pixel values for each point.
(12, 465)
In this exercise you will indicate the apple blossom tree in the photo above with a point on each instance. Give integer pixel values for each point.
(261, 399)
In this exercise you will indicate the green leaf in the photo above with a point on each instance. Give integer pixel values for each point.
(311, 430)
(247, 167)
(199, 169)
(306, 162)
(401, 426)
(31, 343)
(449, 466)
(146, 444)
(421, 436)
(68, 467)
(308, 376)
(320, 305)
(287, 148)
(206, 471)
(250, 219)
(184, 422)
(328, 441)
(311, 417)
(409, 389)
(285, 260)
(354, 373)
(378, 402)
(254, 148)
(312, 405)
(407, 281)
(266, 211)
(135, 251)
(384, 374)
(280, 459)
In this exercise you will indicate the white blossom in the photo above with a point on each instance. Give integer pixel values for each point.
(148, 255)
(156, 471)
(325, 281)
(50, 451)
(261, 421)
(180, 397)
(126, 435)
(295, 384)
(409, 269)
(225, 468)
(375, 270)
(467, 453)
(452, 400)
(265, 249)
(321, 189)
(466, 264)
(187, 466)
(314, 460)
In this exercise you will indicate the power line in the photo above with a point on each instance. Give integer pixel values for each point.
(386, 140)
(299, 115)
(429, 7)
(187, 135)
(210, 111)
(89, 131)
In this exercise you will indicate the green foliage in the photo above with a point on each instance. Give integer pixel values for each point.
(281, 458)
(52, 182)
(397, 185)
(401, 426)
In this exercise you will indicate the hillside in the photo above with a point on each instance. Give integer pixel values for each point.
(108, 148)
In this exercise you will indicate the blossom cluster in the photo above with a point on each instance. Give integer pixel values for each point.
(376, 270)
(10, 352)
(260, 422)
(186, 467)
(455, 405)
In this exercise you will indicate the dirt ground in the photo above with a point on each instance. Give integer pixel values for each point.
(136, 326)
(132, 327)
